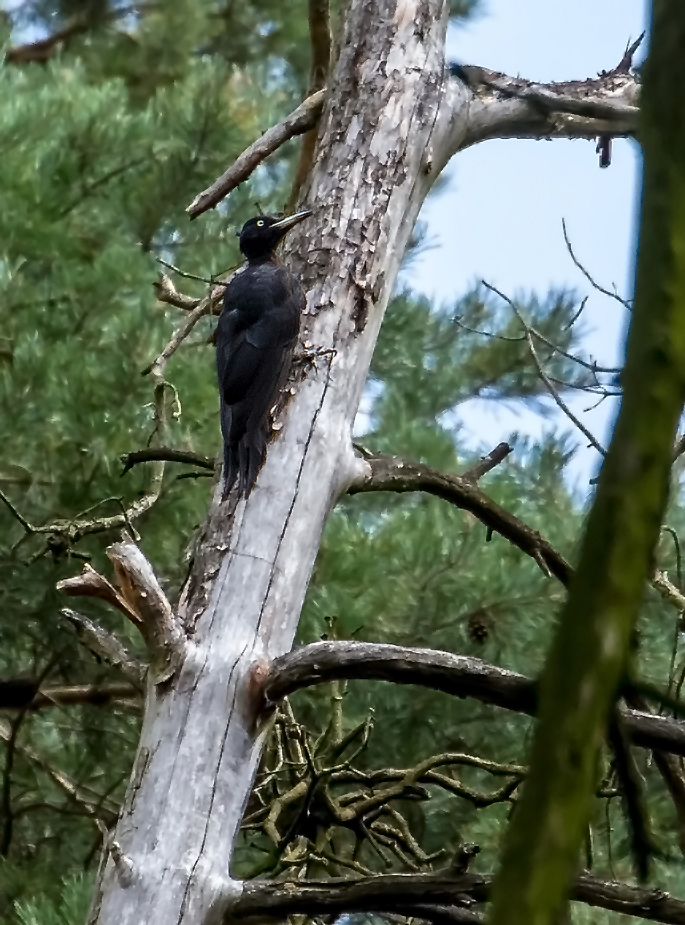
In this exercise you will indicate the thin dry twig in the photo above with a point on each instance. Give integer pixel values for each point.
(487, 463)
(299, 121)
(155, 453)
(595, 285)
(158, 366)
(549, 385)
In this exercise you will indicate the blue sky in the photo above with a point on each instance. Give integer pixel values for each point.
(500, 216)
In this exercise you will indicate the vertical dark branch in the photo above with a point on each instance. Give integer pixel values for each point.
(668, 767)
(590, 654)
(7, 814)
(631, 793)
(320, 35)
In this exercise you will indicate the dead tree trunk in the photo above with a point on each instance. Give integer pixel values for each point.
(391, 119)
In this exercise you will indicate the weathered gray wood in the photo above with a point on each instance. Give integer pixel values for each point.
(200, 742)
(460, 675)
(389, 124)
(509, 107)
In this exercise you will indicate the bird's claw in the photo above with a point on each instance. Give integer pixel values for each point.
(309, 355)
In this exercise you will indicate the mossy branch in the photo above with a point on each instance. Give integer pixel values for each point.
(590, 655)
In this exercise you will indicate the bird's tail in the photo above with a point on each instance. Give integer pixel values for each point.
(251, 456)
(244, 455)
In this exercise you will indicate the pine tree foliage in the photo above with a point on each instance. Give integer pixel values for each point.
(103, 147)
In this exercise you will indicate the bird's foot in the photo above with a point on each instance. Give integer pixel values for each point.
(308, 356)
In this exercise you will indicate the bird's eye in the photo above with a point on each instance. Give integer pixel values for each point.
(260, 223)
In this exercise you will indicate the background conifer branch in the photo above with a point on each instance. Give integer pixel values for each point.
(321, 46)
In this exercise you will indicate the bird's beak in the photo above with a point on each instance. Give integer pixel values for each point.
(286, 224)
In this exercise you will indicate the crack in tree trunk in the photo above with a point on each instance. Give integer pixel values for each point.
(249, 578)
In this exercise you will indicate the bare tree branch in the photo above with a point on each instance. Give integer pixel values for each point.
(96, 695)
(142, 600)
(561, 404)
(500, 106)
(321, 40)
(458, 675)
(158, 366)
(422, 776)
(301, 120)
(586, 273)
(165, 640)
(391, 473)
(588, 276)
(169, 455)
(407, 893)
(107, 646)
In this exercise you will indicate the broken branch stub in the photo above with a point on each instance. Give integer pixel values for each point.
(91, 584)
(165, 640)
(106, 646)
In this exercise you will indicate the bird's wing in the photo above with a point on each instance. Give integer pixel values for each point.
(253, 353)
(257, 333)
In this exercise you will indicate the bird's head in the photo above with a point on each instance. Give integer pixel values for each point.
(260, 236)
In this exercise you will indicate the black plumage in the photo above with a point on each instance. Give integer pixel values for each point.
(256, 336)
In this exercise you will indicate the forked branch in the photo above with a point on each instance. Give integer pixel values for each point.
(165, 640)
(391, 473)
(140, 597)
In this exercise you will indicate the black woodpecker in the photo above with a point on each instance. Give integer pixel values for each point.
(256, 336)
